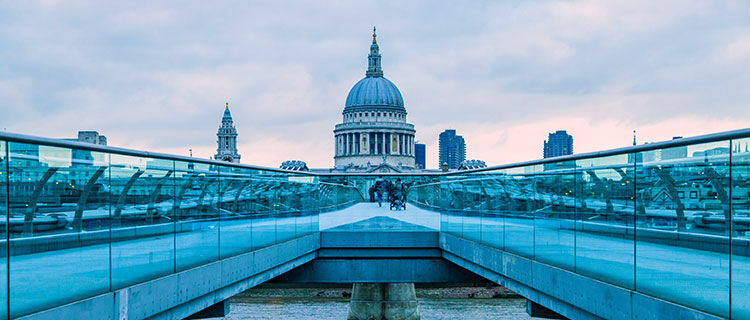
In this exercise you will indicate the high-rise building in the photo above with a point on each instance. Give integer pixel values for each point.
(419, 156)
(452, 149)
(558, 144)
(227, 139)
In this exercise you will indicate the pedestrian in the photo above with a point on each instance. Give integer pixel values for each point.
(380, 189)
(371, 191)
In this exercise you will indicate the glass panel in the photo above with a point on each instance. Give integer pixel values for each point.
(284, 207)
(519, 221)
(197, 218)
(236, 219)
(605, 210)
(448, 201)
(304, 203)
(142, 219)
(681, 237)
(60, 226)
(554, 214)
(740, 197)
(471, 195)
(3, 232)
(264, 205)
(495, 199)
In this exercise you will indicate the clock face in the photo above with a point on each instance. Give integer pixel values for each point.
(227, 159)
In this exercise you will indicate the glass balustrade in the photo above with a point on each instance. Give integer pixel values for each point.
(670, 220)
(80, 221)
(657, 221)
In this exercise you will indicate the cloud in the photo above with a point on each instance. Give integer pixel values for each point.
(156, 75)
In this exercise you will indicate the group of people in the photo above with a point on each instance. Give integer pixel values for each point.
(394, 191)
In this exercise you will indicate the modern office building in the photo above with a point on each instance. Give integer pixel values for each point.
(674, 153)
(452, 149)
(559, 143)
(227, 139)
(374, 135)
(419, 156)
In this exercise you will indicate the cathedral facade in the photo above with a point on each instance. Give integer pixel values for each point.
(374, 135)
(226, 138)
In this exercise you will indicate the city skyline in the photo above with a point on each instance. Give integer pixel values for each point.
(154, 77)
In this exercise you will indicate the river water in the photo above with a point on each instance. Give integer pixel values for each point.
(299, 308)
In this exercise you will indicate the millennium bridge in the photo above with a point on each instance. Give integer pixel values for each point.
(656, 231)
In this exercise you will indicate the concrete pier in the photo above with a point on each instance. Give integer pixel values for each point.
(386, 301)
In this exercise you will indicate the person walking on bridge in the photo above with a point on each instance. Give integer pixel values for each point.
(380, 189)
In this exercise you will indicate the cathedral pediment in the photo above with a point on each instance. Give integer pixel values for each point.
(384, 168)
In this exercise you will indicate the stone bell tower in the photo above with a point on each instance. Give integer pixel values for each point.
(227, 139)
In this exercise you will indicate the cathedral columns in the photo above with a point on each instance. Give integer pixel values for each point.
(410, 140)
(383, 143)
(364, 143)
(354, 143)
(411, 145)
(401, 144)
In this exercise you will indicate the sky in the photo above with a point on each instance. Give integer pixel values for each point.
(155, 76)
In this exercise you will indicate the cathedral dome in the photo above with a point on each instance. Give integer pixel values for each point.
(374, 92)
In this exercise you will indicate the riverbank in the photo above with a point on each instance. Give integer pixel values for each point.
(428, 292)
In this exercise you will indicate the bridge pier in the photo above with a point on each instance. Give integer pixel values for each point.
(388, 301)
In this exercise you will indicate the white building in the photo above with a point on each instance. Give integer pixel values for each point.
(374, 134)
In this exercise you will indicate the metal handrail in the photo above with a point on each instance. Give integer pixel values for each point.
(22, 138)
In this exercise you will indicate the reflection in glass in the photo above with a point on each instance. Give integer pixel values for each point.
(681, 216)
(236, 219)
(493, 200)
(3, 231)
(519, 219)
(554, 214)
(197, 216)
(142, 219)
(57, 193)
(605, 211)
(740, 198)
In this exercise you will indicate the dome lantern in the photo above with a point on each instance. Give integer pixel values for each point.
(374, 91)
(373, 59)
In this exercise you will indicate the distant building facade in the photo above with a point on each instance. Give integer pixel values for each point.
(294, 165)
(712, 152)
(559, 143)
(374, 135)
(227, 139)
(419, 156)
(92, 137)
(472, 164)
(452, 149)
(674, 153)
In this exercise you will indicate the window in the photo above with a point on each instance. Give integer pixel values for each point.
(693, 194)
(681, 194)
